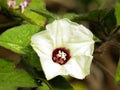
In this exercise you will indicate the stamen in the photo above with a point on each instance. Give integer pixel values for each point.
(61, 55)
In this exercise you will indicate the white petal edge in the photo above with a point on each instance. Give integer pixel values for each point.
(51, 69)
(79, 67)
(59, 31)
(81, 48)
(63, 31)
(41, 42)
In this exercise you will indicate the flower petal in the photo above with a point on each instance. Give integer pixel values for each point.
(81, 48)
(59, 32)
(78, 67)
(64, 31)
(79, 33)
(41, 42)
(11, 4)
(65, 34)
(50, 68)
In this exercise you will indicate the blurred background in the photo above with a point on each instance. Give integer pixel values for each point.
(106, 55)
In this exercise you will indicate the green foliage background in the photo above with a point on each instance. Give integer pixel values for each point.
(101, 16)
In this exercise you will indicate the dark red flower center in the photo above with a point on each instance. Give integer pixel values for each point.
(61, 55)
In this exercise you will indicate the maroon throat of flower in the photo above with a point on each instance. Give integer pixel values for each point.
(61, 55)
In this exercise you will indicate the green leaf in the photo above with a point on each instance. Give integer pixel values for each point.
(118, 13)
(109, 20)
(46, 13)
(33, 17)
(13, 78)
(43, 87)
(60, 83)
(37, 5)
(36, 18)
(92, 16)
(18, 38)
(33, 59)
(6, 66)
(95, 16)
(70, 15)
(117, 79)
(102, 22)
(34, 4)
(7, 88)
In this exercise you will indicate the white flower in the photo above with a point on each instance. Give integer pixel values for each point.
(65, 48)
(12, 3)
(23, 5)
